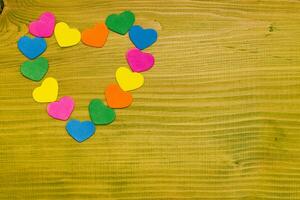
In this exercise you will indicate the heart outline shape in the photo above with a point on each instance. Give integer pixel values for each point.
(139, 61)
(61, 109)
(36, 69)
(32, 47)
(95, 36)
(129, 80)
(44, 26)
(80, 131)
(66, 36)
(47, 92)
(120, 23)
(142, 38)
(100, 114)
(116, 97)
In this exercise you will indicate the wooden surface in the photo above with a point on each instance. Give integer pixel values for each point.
(217, 118)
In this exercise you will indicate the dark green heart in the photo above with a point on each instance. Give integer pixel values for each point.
(101, 114)
(35, 70)
(120, 23)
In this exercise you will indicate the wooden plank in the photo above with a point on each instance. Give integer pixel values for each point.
(217, 118)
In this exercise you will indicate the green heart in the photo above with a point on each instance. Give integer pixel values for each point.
(35, 70)
(101, 114)
(120, 23)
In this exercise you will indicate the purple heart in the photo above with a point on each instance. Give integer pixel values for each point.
(139, 61)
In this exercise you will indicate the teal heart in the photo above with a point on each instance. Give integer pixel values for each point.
(100, 114)
(120, 23)
(35, 70)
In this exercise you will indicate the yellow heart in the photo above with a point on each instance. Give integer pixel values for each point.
(129, 80)
(47, 92)
(66, 36)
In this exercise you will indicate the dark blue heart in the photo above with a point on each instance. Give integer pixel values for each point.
(80, 131)
(32, 47)
(142, 38)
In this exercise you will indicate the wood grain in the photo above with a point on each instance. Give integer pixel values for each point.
(217, 118)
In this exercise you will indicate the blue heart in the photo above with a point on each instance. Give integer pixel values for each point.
(32, 47)
(80, 131)
(142, 38)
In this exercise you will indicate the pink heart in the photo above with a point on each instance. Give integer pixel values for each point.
(139, 61)
(61, 109)
(44, 26)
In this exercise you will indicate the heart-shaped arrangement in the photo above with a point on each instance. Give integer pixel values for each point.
(116, 95)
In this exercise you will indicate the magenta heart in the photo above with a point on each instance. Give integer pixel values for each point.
(44, 26)
(61, 109)
(139, 61)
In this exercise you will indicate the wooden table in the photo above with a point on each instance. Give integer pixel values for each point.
(217, 118)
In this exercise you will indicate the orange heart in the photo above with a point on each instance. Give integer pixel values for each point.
(96, 36)
(116, 97)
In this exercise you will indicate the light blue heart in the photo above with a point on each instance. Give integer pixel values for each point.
(80, 131)
(142, 38)
(32, 47)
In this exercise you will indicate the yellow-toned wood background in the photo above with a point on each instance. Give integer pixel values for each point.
(217, 118)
